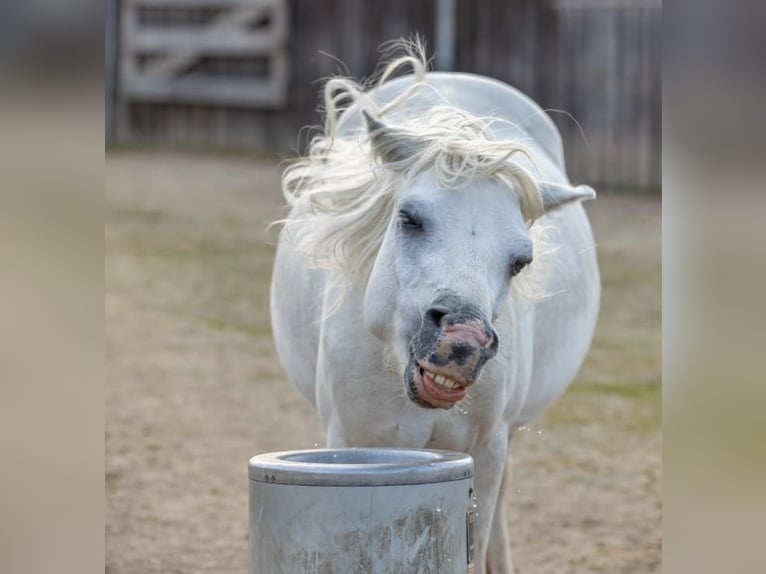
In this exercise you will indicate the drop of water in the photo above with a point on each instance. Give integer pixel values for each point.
(438, 510)
(539, 431)
(316, 444)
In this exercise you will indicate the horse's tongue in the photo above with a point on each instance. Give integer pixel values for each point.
(441, 393)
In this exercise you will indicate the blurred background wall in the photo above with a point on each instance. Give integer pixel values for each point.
(245, 74)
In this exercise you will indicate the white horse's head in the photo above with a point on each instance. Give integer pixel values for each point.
(428, 221)
(444, 269)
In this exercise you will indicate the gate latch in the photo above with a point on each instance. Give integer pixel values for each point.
(470, 520)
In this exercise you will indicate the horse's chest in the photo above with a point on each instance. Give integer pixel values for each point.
(399, 423)
(452, 435)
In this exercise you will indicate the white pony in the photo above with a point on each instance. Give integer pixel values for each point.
(435, 284)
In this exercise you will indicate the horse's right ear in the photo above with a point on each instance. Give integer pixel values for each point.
(389, 144)
(556, 194)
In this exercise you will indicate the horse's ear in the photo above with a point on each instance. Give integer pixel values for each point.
(557, 194)
(389, 144)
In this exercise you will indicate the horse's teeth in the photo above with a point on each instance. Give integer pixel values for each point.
(442, 380)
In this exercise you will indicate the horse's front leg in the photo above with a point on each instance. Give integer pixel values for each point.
(499, 549)
(489, 469)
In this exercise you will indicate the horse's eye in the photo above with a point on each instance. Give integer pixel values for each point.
(408, 221)
(519, 264)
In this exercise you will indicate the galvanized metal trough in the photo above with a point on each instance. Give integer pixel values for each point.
(361, 510)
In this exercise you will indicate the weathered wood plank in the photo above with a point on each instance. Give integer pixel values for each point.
(197, 4)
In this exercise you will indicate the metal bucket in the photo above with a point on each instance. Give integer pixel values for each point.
(361, 510)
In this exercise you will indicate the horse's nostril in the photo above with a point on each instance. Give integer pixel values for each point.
(494, 341)
(435, 315)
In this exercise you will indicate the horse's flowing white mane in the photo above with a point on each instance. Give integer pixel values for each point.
(343, 197)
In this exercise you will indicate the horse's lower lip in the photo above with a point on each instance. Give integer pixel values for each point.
(436, 394)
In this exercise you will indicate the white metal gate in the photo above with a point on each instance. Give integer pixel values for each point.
(225, 52)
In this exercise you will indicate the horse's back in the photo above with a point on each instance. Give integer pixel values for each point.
(296, 311)
(565, 317)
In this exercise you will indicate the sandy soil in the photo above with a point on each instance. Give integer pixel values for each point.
(194, 388)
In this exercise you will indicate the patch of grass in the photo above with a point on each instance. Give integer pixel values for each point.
(626, 347)
(628, 390)
(625, 407)
(138, 215)
(255, 330)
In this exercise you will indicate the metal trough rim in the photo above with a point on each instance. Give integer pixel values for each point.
(360, 467)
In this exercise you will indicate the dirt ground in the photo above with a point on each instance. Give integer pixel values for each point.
(194, 388)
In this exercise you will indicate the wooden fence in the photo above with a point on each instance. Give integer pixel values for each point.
(597, 60)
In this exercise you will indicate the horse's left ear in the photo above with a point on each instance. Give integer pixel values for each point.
(557, 194)
(389, 144)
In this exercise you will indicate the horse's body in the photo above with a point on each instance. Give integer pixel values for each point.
(341, 356)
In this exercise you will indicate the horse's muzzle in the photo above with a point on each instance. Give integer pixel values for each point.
(447, 353)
